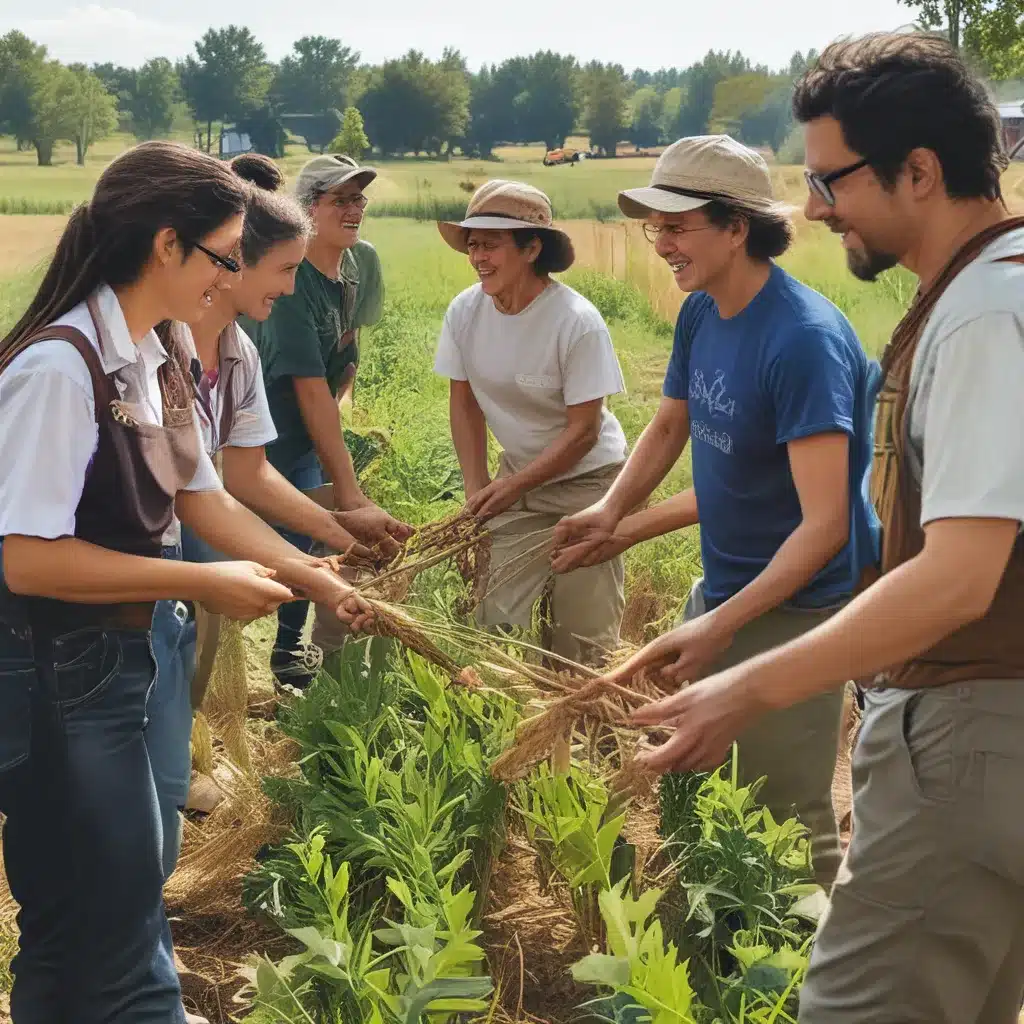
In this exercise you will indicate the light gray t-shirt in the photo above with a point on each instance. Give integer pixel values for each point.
(525, 369)
(966, 404)
(251, 424)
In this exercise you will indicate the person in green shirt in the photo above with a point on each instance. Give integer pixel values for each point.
(309, 350)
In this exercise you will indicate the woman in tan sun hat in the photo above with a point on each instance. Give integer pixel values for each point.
(532, 360)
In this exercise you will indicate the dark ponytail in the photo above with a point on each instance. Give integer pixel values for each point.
(150, 187)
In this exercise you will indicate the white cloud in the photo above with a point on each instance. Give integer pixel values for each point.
(94, 34)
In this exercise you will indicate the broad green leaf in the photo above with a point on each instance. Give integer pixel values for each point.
(601, 969)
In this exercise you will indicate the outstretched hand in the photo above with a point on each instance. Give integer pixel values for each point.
(706, 719)
(497, 497)
(587, 538)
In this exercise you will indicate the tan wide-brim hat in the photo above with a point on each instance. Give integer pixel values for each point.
(694, 171)
(326, 173)
(505, 206)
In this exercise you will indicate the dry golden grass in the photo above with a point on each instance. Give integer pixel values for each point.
(26, 242)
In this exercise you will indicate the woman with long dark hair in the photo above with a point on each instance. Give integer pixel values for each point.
(100, 449)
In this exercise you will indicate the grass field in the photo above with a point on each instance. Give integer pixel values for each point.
(405, 187)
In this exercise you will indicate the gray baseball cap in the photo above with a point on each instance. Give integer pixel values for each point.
(326, 173)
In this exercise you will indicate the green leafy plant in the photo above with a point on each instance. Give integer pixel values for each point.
(337, 972)
(742, 881)
(437, 957)
(642, 972)
(564, 816)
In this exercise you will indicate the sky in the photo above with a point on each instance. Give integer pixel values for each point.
(649, 33)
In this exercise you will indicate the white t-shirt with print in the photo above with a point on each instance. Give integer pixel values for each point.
(525, 369)
(966, 401)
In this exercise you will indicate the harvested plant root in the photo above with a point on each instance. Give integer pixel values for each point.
(595, 702)
(462, 537)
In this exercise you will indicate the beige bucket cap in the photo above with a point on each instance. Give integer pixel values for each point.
(695, 170)
(505, 206)
(325, 173)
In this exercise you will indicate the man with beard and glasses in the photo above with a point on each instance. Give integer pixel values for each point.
(770, 388)
(926, 921)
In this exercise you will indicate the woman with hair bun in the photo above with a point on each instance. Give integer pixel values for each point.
(101, 450)
(235, 423)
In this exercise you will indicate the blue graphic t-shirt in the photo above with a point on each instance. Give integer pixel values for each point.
(787, 366)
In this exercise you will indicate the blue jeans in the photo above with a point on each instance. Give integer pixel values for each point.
(304, 474)
(82, 838)
(169, 730)
(195, 549)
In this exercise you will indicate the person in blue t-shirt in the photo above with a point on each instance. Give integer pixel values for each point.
(769, 384)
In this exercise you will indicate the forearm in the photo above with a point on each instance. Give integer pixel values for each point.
(227, 525)
(73, 570)
(656, 452)
(264, 490)
(559, 457)
(323, 424)
(801, 557)
(469, 435)
(675, 513)
(876, 631)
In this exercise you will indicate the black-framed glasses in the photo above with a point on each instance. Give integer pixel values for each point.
(652, 232)
(821, 184)
(228, 263)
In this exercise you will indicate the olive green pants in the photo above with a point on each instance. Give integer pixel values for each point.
(926, 920)
(795, 748)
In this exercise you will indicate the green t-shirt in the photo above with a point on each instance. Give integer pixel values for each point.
(302, 338)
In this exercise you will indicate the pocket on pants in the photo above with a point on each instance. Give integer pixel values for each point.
(927, 734)
(84, 663)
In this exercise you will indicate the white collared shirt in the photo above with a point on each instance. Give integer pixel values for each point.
(48, 422)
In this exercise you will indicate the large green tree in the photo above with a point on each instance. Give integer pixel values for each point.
(488, 115)
(227, 79)
(416, 105)
(549, 106)
(152, 101)
(92, 111)
(701, 79)
(606, 112)
(21, 62)
(646, 107)
(54, 97)
(315, 76)
(987, 26)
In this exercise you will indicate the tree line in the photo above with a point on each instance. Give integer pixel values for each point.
(322, 92)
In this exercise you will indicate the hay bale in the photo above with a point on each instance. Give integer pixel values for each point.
(202, 745)
(227, 699)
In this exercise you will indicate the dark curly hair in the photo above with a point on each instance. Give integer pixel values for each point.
(893, 92)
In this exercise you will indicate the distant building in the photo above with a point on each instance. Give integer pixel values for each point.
(232, 143)
(1012, 116)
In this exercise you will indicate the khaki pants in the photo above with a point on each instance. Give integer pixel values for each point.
(795, 748)
(926, 922)
(586, 605)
